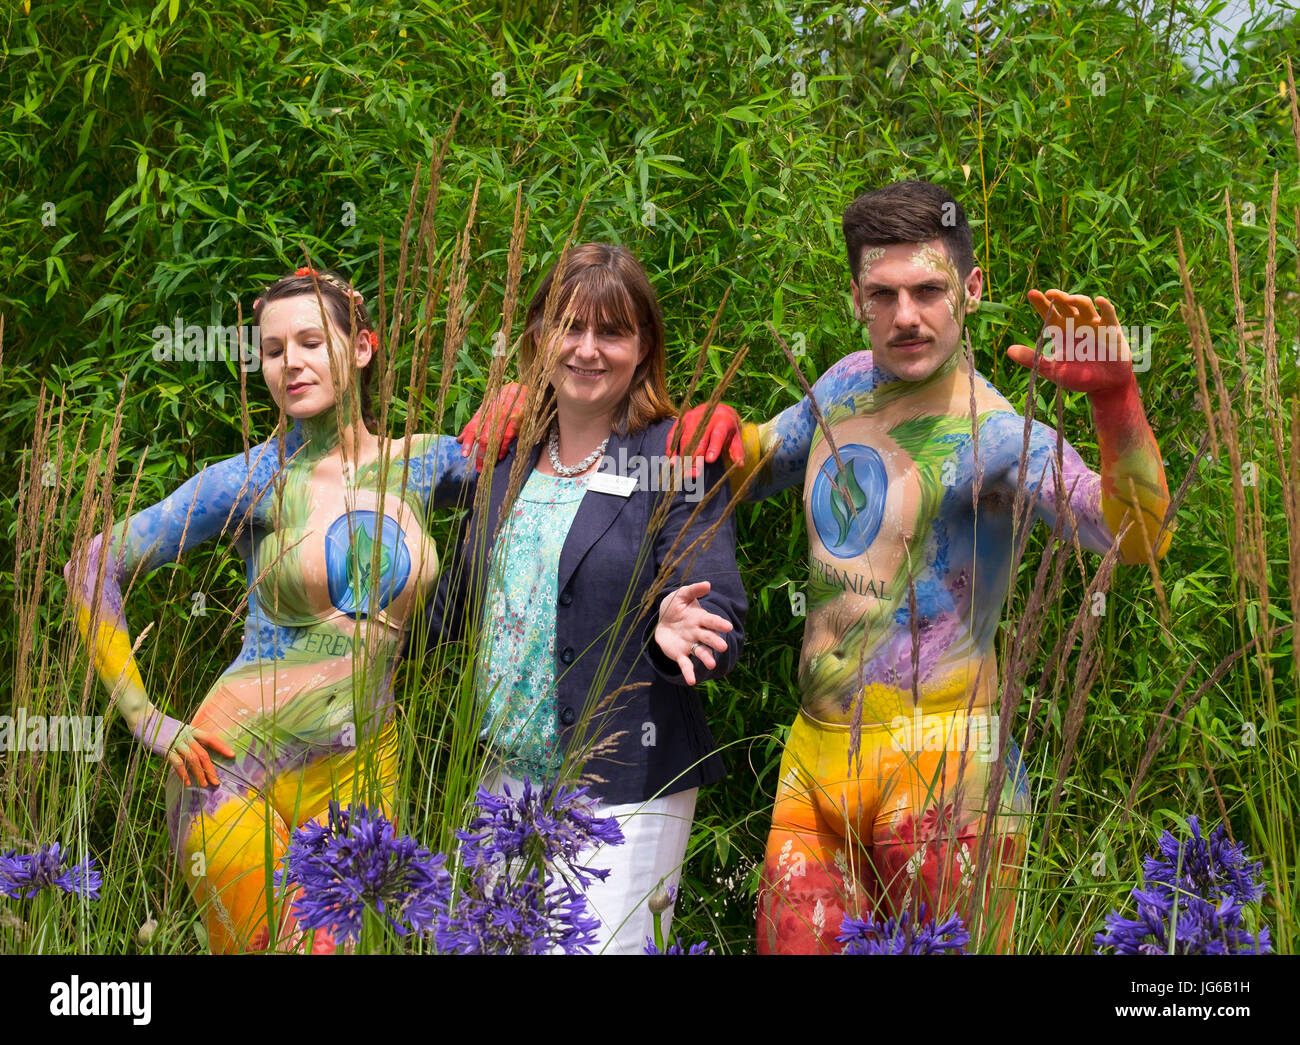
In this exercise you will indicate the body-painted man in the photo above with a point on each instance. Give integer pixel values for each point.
(910, 481)
(332, 523)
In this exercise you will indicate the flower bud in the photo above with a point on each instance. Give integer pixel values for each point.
(661, 899)
(144, 934)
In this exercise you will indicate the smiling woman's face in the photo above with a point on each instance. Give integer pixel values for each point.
(296, 361)
(597, 361)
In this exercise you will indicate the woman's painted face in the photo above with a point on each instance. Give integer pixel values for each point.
(296, 361)
(593, 373)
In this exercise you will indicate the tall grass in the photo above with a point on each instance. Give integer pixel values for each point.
(1170, 192)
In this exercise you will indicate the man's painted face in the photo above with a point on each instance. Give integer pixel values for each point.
(913, 303)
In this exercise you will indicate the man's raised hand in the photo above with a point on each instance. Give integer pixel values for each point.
(1089, 350)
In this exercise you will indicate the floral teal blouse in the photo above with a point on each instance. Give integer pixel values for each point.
(517, 683)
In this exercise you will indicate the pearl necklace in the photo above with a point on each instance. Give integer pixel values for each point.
(553, 448)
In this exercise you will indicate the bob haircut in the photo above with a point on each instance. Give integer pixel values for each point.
(605, 284)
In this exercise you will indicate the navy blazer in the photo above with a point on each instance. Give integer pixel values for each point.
(615, 691)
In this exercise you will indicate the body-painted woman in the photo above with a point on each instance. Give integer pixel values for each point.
(883, 800)
(332, 524)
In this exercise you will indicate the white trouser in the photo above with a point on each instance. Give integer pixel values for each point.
(655, 834)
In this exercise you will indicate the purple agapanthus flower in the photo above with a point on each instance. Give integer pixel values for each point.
(26, 874)
(524, 882)
(1197, 927)
(903, 935)
(1218, 865)
(676, 947)
(532, 913)
(552, 826)
(1192, 901)
(356, 861)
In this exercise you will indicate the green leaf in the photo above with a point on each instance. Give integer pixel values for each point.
(105, 302)
(84, 135)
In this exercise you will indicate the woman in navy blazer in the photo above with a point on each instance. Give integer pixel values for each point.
(606, 588)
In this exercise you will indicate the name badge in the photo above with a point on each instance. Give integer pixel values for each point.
(607, 482)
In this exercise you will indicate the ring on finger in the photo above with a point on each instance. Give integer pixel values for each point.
(693, 646)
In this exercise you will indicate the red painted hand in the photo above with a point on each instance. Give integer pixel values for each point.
(189, 752)
(722, 431)
(503, 415)
(1089, 352)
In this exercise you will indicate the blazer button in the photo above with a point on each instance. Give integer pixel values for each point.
(567, 655)
(566, 597)
(567, 716)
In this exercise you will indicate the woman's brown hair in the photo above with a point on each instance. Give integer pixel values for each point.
(604, 284)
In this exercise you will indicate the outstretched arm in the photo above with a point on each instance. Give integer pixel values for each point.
(697, 631)
(686, 629)
(789, 435)
(1091, 355)
(217, 498)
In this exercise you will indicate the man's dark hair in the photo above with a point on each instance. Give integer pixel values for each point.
(908, 212)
